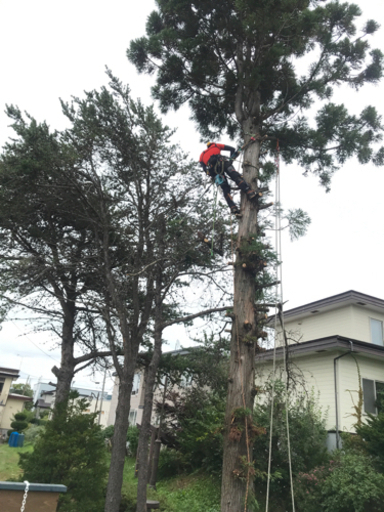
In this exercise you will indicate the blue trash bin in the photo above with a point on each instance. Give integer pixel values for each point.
(13, 439)
(20, 440)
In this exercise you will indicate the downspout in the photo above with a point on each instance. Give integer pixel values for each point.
(335, 378)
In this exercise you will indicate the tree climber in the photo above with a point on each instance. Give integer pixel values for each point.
(215, 165)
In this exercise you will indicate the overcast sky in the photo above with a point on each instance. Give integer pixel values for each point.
(57, 49)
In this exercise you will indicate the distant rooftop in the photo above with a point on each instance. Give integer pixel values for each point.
(9, 372)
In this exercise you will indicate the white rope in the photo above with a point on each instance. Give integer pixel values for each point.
(25, 496)
(274, 344)
(278, 310)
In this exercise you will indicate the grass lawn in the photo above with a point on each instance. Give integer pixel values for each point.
(184, 493)
(9, 457)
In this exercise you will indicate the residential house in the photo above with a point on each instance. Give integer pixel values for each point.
(10, 403)
(336, 348)
(137, 395)
(47, 399)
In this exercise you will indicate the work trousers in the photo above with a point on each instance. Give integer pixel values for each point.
(225, 168)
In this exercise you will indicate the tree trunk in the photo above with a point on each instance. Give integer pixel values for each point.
(142, 452)
(115, 478)
(237, 480)
(65, 373)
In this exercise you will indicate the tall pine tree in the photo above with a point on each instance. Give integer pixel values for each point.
(255, 69)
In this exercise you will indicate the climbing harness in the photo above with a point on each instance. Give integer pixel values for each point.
(278, 314)
(25, 496)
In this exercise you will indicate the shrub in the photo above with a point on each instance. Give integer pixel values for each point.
(372, 435)
(107, 432)
(33, 432)
(307, 440)
(171, 463)
(19, 423)
(71, 452)
(194, 425)
(348, 484)
(133, 439)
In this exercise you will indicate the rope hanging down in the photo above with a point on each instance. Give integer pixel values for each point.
(25, 496)
(278, 314)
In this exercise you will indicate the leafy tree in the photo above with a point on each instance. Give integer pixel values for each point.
(238, 63)
(21, 389)
(142, 212)
(70, 451)
(46, 252)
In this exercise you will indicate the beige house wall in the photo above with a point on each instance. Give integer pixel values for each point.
(12, 407)
(3, 401)
(350, 321)
(316, 371)
(315, 375)
(348, 384)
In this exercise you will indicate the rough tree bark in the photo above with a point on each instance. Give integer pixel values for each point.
(237, 480)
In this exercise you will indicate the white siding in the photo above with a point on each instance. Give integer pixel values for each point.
(350, 321)
(348, 380)
(318, 374)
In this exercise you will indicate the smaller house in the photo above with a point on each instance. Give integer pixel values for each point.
(10, 403)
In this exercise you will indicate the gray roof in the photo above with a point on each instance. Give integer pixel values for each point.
(330, 343)
(335, 301)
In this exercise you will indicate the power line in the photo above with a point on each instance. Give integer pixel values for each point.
(33, 343)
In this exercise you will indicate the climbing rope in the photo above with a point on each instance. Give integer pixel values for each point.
(25, 496)
(214, 219)
(279, 314)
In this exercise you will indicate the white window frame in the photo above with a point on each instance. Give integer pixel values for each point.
(382, 331)
(375, 391)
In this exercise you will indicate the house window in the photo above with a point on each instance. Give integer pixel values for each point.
(376, 331)
(136, 384)
(373, 395)
(2, 380)
(132, 417)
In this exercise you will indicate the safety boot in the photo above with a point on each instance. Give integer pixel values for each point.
(236, 211)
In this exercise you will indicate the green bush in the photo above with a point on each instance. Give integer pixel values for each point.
(133, 439)
(194, 427)
(352, 484)
(33, 432)
(71, 451)
(19, 423)
(171, 463)
(372, 435)
(107, 432)
(307, 440)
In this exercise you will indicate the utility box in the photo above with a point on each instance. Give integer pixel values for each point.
(40, 497)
